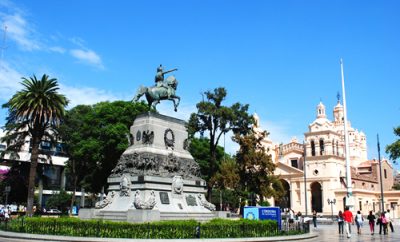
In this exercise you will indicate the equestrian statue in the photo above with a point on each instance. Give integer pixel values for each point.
(162, 90)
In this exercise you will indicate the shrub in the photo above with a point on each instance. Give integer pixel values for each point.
(216, 228)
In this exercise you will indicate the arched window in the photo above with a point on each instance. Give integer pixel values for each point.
(312, 148)
(321, 147)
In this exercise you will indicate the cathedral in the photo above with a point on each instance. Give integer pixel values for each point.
(313, 173)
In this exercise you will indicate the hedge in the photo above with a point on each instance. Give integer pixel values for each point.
(216, 228)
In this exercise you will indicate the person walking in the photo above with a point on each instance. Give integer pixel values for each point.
(371, 220)
(340, 222)
(384, 223)
(359, 221)
(389, 220)
(314, 218)
(348, 220)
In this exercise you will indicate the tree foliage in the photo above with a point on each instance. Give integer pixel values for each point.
(256, 168)
(60, 200)
(394, 148)
(200, 150)
(215, 119)
(35, 112)
(95, 137)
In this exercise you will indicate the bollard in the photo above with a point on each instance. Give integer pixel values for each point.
(197, 231)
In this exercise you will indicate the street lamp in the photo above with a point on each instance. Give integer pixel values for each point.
(7, 191)
(331, 202)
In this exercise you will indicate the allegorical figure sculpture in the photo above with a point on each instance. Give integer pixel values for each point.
(139, 203)
(105, 202)
(163, 90)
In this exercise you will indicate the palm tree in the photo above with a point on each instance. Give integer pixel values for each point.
(34, 112)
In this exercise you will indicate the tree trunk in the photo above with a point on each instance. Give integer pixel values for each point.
(32, 175)
(213, 167)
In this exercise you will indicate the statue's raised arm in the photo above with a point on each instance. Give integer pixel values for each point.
(163, 90)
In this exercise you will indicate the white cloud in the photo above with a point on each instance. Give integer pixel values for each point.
(19, 31)
(85, 95)
(87, 56)
(279, 133)
(9, 81)
(57, 49)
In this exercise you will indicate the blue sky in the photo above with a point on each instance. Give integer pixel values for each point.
(281, 57)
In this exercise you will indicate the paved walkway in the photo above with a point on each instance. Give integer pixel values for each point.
(321, 233)
(20, 237)
(330, 233)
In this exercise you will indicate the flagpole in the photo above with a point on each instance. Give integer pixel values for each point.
(349, 198)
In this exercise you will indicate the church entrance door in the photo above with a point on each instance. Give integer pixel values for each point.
(316, 197)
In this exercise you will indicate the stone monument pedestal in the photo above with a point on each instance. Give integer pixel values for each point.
(156, 178)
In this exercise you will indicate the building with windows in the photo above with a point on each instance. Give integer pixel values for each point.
(315, 171)
(51, 172)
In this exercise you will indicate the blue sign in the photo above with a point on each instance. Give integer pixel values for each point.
(250, 213)
(271, 213)
(263, 213)
(74, 210)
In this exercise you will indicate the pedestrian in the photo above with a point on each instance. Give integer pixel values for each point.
(384, 223)
(340, 222)
(389, 220)
(299, 216)
(371, 220)
(348, 220)
(359, 221)
(291, 218)
(314, 218)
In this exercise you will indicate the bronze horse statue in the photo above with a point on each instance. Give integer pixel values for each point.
(155, 94)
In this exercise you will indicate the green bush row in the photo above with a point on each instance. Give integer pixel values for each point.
(217, 228)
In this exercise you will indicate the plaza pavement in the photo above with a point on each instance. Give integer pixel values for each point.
(320, 234)
(330, 233)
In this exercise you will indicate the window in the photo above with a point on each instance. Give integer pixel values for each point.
(360, 205)
(321, 147)
(385, 173)
(45, 145)
(294, 163)
(337, 147)
(312, 148)
(333, 147)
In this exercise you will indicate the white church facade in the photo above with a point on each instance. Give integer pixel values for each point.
(314, 172)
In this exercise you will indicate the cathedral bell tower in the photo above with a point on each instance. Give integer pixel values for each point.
(321, 110)
(338, 112)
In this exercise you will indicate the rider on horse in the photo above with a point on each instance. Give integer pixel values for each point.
(163, 90)
(159, 78)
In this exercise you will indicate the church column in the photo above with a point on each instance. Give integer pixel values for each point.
(291, 194)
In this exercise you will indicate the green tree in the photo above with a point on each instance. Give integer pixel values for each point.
(200, 150)
(215, 119)
(95, 137)
(394, 148)
(256, 169)
(228, 175)
(396, 186)
(60, 200)
(33, 112)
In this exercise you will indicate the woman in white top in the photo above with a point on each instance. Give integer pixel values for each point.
(359, 221)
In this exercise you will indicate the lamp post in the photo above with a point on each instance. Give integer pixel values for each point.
(7, 191)
(331, 202)
(380, 174)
